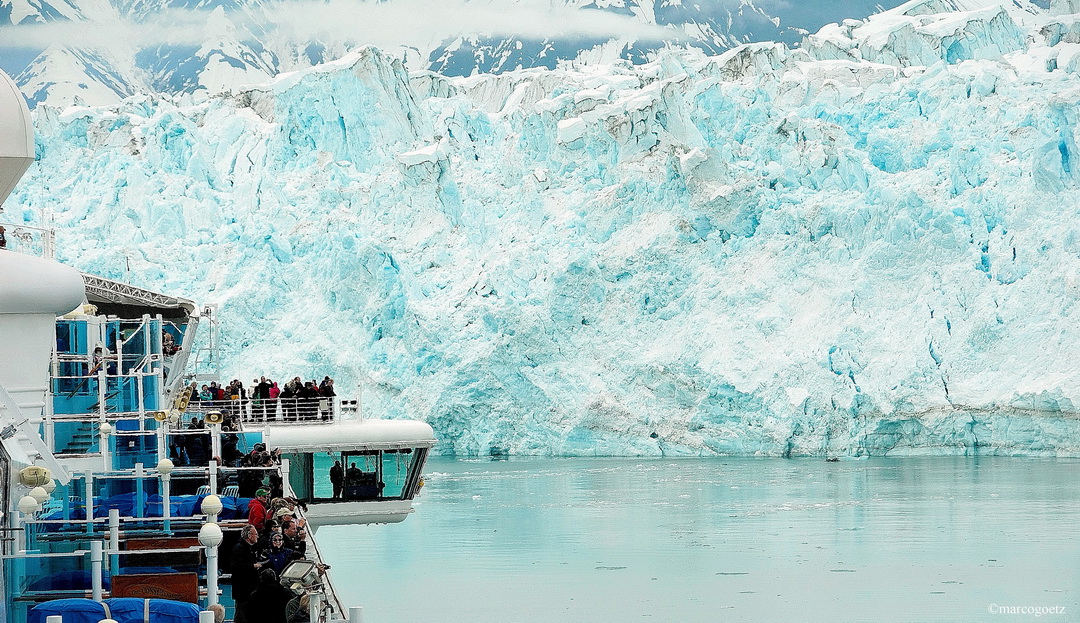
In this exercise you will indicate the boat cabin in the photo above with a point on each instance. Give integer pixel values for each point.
(354, 472)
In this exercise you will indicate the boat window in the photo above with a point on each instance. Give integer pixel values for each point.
(362, 480)
(395, 469)
(356, 475)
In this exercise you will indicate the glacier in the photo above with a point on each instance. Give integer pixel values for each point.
(868, 244)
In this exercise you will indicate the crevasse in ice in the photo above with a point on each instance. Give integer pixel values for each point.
(866, 245)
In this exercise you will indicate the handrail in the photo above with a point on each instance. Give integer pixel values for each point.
(328, 583)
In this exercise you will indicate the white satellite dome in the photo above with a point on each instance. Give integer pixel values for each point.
(16, 136)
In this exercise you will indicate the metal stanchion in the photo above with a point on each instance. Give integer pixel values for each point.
(95, 563)
(114, 541)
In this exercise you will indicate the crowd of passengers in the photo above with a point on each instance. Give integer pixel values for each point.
(195, 450)
(299, 400)
(274, 536)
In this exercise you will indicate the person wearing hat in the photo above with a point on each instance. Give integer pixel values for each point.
(257, 509)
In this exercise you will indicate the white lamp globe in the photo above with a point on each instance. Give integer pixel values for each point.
(210, 535)
(106, 428)
(50, 486)
(165, 466)
(39, 494)
(28, 505)
(211, 505)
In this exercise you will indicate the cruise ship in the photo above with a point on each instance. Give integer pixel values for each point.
(117, 503)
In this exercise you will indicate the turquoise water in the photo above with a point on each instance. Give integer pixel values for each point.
(911, 539)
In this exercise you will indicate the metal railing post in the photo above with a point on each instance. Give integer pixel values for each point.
(89, 502)
(166, 502)
(211, 575)
(114, 541)
(95, 563)
(139, 486)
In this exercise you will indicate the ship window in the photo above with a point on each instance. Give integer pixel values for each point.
(364, 475)
(362, 480)
(395, 471)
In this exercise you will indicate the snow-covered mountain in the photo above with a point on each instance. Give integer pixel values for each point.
(105, 50)
(868, 244)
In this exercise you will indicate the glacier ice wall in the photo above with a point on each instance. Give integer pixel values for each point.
(869, 244)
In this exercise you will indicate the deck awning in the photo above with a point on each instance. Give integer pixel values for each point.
(114, 298)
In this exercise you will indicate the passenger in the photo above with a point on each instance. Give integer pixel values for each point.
(229, 452)
(262, 394)
(326, 390)
(245, 566)
(295, 536)
(3, 238)
(219, 612)
(270, 528)
(300, 608)
(337, 478)
(269, 599)
(288, 402)
(276, 484)
(257, 509)
(168, 346)
(309, 401)
(277, 555)
(354, 474)
(197, 445)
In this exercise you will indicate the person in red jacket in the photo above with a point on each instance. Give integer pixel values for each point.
(257, 509)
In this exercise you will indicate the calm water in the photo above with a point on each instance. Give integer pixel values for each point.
(913, 539)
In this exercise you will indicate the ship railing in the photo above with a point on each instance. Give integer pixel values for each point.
(275, 410)
(329, 593)
(30, 240)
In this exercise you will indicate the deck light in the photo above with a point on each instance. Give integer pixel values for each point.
(210, 535)
(39, 494)
(106, 428)
(165, 466)
(50, 486)
(211, 505)
(28, 505)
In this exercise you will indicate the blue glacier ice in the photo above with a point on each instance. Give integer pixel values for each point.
(866, 244)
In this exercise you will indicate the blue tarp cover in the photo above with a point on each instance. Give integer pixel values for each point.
(179, 506)
(122, 610)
